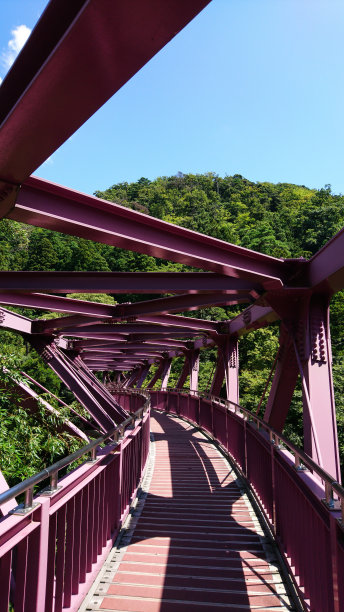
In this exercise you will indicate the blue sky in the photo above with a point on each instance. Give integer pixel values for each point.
(253, 87)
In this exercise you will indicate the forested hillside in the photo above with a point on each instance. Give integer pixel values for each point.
(282, 220)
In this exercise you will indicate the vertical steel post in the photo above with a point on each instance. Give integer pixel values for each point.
(165, 373)
(283, 382)
(184, 373)
(314, 346)
(230, 353)
(194, 369)
(219, 374)
(143, 375)
(156, 376)
(305, 349)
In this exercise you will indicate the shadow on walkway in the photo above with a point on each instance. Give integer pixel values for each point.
(197, 543)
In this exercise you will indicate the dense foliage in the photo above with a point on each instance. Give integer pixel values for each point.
(282, 220)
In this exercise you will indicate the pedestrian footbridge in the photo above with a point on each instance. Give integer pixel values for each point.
(216, 511)
(220, 510)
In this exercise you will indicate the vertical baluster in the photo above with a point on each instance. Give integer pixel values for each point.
(70, 530)
(103, 516)
(90, 526)
(313, 545)
(116, 491)
(60, 558)
(36, 578)
(109, 499)
(77, 537)
(51, 564)
(335, 568)
(5, 580)
(20, 575)
(84, 533)
(96, 518)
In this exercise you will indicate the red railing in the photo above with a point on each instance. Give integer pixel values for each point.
(50, 554)
(302, 504)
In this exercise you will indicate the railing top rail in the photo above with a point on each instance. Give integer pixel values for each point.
(274, 436)
(34, 480)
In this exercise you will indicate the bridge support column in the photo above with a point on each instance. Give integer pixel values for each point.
(314, 355)
(165, 373)
(131, 379)
(156, 376)
(184, 373)
(190, 367)
(162, 372)
(227, 368)
(219, 374)
(230, 354)
(283, 383)
(305, 349)
(143, 375)
(194, 369)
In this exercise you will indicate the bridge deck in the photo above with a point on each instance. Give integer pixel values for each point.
(194, 542)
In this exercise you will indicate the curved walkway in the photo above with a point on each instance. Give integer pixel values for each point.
(194, 542)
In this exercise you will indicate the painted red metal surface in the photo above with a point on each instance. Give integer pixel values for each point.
(62, 75)
(325, 270)
(124, 282)
(58, 208)
(307, 532)
(60, 545)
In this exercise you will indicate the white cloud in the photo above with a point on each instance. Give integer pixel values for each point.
(20, 34)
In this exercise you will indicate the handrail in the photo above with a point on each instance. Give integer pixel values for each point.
(27, 485)
(302, 460)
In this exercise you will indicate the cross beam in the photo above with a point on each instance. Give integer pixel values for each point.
(124, 282)
(57, 208)
(63, 75)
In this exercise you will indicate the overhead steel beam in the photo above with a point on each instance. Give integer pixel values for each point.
(56, 303)
(79, 54)
(253, 317)
(103, 351)
(47, 326)
(160, 340)
(180, 303)
(325, 270)
(128, 354)
(121, 358)
(144, 324)
(54, 207)
(108, 365)
(119, 312)
(124, 355)
(179, 321)
(111, 337)
(124, 282)
(17, 322)
(155, 345)
(129, 328)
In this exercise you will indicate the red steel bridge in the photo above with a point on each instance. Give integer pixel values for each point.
(264, 531)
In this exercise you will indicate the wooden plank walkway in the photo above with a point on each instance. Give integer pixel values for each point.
(194, 542)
